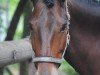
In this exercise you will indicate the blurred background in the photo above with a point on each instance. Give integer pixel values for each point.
(14, 18)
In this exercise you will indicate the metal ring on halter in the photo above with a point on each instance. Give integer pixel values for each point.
(47, 59)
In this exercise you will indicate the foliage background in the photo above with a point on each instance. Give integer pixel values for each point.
(7, 9)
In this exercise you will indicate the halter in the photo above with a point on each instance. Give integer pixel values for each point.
(52, 59)
(47, 59)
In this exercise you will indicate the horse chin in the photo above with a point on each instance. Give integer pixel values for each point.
(47, 69)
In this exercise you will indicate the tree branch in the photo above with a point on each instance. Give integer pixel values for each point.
(15, 19)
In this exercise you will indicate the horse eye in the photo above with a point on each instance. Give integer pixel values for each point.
(63, 28)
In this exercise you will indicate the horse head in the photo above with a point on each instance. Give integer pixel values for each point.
(49, 24)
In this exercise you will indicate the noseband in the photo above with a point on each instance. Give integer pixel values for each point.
(47, 60)
(52, 59)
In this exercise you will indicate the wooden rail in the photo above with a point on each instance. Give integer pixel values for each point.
(15, 51)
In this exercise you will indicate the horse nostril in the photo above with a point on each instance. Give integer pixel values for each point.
(49, 3)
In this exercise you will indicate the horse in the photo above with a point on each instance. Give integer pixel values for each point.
(83, 52)
(49, 35)
(49, 28)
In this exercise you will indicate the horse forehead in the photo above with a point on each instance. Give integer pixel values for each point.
(48, 19)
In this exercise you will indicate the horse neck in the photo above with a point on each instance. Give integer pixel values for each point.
(84, 49)
(84, 45)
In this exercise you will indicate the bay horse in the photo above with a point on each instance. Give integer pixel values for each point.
(49, 25)
(83, 52)
(49, 35)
